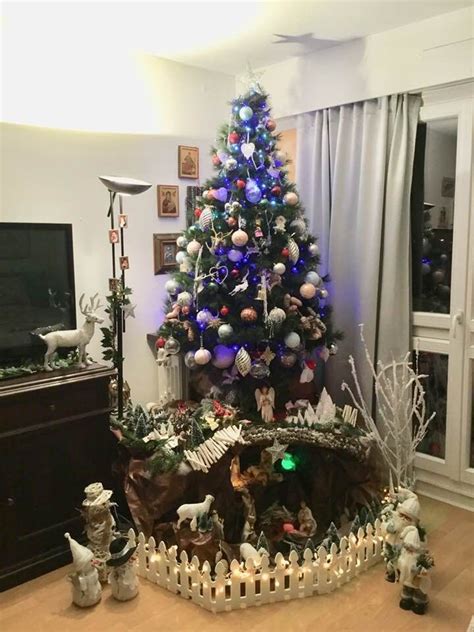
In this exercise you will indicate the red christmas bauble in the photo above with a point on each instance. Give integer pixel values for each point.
(231, 222)
(160, 342)
(271, 125)
(234, 273)
(276, 190)
(224, 310)
(216, 160)
(285, 252)
(234, 137)
(240, 184)
(248, 314)
(185, 310)
(288, 527)
(197, 212)
(311, 364)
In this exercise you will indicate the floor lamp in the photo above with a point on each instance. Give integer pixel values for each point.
(121, 187)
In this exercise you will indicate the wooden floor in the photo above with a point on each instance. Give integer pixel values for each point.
(366, 604)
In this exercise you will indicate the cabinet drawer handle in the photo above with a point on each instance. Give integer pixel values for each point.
(52, 407)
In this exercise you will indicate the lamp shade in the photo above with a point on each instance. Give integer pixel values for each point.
(124, 186)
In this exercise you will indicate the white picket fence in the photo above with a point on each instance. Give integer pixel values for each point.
(244, 585)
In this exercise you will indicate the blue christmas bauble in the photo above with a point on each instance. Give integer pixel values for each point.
(245, 113)
(252, 192)
(235, 255)
(223, 357)
(203, 317)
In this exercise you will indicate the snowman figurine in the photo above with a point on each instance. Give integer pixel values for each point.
(86, 588)
(122, 576)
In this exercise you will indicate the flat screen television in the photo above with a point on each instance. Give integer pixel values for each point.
(36, 287)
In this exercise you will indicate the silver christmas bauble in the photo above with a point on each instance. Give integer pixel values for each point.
(203, 317)
(323, 293)
(245, 113)
(276, 316)
(223, 357)
(189, 360)
(235, 255)
(279, 268)
(181, 242)
(259, 370)
(313, 250)
(230, 164)
(180, 256)
(298, 226)
(184, 298)
(332, 348)
(312, 277)
(171, 286)
(225, 331)
(288, 359)
(172, 346)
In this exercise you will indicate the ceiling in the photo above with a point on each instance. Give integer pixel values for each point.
(221, 36)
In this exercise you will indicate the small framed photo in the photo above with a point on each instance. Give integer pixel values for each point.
(114, 236)
(115, 285)
(188, 162)
(123, 221)
(124, 263)
(164, 250)
(168, 200)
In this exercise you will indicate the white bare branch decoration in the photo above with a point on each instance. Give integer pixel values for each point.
(401, 411)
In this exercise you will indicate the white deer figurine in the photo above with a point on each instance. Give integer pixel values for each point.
(79, 338)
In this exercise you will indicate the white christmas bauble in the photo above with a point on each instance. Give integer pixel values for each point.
(202, 356)
(205, 219)
(276, 316)
(313, 278)
(180, 256)
(203, 317)
(184, 299)
(181, 242)
(279, 268)
(239, 238)
(307, 290)
(245, 113)
(243, 361)
(235, 255)
(290, 198)
(193, 247)
(223, 357)
(225, 331)
(222, 155)
(171, 286)
(313, 250)
(292, 340)
(189, 360)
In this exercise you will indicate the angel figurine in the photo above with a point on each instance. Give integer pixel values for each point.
(265, 399)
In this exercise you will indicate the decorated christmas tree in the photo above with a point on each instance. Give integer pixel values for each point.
(247, 306)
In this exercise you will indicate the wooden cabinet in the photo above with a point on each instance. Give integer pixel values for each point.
(54, 440)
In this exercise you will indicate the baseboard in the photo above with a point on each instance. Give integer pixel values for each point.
(445, 495)
(30, 569)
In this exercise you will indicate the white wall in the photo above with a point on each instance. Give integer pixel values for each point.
(51, 176)
(426, 53)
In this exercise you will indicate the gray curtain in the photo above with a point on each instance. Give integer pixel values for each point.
(354, 166)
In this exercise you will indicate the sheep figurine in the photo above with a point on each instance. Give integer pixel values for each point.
(193, 511)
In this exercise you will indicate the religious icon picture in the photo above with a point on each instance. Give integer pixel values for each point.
(188, 162)
(165, 250)
(168, 200)
(123, 221)
(114, 285)
(124, 263)
(114, 236)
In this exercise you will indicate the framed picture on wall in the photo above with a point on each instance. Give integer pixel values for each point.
(164, 251)
(188, 162)
(168, 200)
